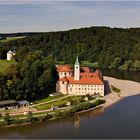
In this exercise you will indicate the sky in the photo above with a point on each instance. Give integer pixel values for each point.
(44, 15)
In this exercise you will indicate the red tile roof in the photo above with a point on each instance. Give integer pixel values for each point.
(86, 80)
(64, 79)
(86, 69)
(86, 77)
(83, 80)
(99, 73)
(64, 68)
(88, 74)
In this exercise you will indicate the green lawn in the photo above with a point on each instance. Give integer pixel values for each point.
(87, 63)
(11, 38)
(49, 98)
(57, 103)
(4, 64)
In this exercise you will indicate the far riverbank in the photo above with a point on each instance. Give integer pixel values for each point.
(127, 87)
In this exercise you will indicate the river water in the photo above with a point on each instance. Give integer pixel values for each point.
(121, 120)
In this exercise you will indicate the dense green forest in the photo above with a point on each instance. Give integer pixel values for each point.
(110, 47)
(34, 75)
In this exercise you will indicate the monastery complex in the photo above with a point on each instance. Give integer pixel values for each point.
(80, 80)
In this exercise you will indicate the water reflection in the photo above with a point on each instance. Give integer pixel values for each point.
(89, 115)
(122, 74)
(77, 122)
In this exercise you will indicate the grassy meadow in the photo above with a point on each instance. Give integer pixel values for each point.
(11, 38)
(4, 64)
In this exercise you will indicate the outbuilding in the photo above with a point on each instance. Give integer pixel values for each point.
(23, 103)
(9, 104)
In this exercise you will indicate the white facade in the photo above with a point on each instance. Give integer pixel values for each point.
(77, 70)
(80, 89)
(10, 55)
(63, 74)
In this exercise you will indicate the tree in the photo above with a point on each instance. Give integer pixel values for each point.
(7, 117)
(117, 62)
(136, 65)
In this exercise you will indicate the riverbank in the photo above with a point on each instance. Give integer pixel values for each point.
(127, 87)
(71, 110)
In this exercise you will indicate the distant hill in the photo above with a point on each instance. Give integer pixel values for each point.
(17, 34)
(108, 47)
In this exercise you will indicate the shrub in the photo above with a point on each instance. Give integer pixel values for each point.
(115, 89)
(7, 118)
(98, 102)
(57, 113)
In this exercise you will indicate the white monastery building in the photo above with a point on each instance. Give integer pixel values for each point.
(80, 80)
(10, 55)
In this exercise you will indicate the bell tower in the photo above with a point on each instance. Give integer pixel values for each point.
(77, 70)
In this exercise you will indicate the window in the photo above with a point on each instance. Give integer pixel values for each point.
(70, 89)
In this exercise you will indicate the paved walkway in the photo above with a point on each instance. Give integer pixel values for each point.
(21, 111)
(46, 110)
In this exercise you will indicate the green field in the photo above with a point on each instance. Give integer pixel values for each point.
(11, 38)
(87, 63)
(49, 98)
(4, 64)
(57, 103)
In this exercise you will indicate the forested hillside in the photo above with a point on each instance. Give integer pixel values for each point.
(34, 74)
(110, 47)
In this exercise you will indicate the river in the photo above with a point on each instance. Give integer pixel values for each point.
(121, 120)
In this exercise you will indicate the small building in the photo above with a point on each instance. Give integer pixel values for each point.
(9, 104)
(2, 37)
(10, 55)
(23, 103)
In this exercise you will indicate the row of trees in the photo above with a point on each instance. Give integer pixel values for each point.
(33, 77)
